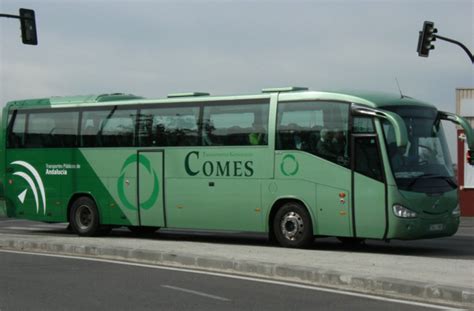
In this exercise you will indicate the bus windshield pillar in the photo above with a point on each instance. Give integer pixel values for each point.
(461, 122)
(401, 135)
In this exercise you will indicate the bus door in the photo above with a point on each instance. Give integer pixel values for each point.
(368, 187)
(150, 186)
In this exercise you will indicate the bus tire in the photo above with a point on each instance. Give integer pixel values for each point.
(143, 230)
(84, 217)
(292, 226)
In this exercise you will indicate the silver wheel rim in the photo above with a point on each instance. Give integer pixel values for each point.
(84, 217)
(292, 226)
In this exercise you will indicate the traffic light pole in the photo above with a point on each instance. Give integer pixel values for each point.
(471, 56)
(10, 16)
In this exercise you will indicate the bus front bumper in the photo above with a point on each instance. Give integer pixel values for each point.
(423, 228)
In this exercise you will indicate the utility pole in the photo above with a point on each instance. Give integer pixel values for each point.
(428, 35)
(28, 25)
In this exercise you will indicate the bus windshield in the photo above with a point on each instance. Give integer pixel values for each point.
(425, 164)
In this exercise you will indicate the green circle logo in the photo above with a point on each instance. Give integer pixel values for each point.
(145, 162)
(289, 166)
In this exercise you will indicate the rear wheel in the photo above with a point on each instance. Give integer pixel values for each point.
(84, 217)
(292, 226)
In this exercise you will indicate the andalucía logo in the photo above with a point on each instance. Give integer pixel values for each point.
(28, 178)
(142, 160)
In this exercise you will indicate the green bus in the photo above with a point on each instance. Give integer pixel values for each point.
(293, 163)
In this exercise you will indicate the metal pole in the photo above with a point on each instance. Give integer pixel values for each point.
(458, 43)
(10, 16)
(15, 16)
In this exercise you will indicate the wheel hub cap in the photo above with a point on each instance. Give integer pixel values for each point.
(292, 226)
(84, 217)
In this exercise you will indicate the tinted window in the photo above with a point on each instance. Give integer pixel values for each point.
(363, 125)
(235, 125)
(52, 129)
(118, 129)
(111, 127)
(367, 159)
(317, 127)
(177, 126)
(424, 165)
(17, 130)
(91, 126)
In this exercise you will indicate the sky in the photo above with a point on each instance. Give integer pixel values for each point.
(153, 48)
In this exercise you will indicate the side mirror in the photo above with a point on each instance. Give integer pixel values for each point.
(462, 123)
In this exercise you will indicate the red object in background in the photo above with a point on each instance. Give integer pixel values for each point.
(466, 196)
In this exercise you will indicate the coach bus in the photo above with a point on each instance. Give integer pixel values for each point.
(293, 163)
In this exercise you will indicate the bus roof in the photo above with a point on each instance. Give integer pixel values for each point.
(367, 98)
(380, 99)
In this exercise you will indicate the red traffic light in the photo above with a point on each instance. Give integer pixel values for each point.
(470, 157)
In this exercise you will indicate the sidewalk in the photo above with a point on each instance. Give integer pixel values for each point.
(467, 222)
(419, 278)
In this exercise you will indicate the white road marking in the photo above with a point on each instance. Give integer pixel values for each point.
(190, 291)
(246, 278)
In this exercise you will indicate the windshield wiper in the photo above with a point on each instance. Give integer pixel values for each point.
(434, 176)
(450, 181)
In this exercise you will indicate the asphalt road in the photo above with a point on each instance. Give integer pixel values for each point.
(459, 246)
(37, 282)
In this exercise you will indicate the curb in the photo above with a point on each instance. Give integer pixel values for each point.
(391, 287)
(466, 222)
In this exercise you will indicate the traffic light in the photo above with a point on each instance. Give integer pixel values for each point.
(427, 35)
(28, 27)
(470, 157)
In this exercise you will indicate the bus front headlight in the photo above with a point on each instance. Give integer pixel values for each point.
(457, 211)
(403, 212)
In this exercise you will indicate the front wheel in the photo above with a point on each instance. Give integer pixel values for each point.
(292, 226)
(84, 217)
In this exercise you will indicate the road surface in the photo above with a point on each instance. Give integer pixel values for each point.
(39, 282)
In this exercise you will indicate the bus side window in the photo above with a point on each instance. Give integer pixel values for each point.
(145, 130)
(64, 133)
(165, 126)
(118, 130)
(91, 125)
(52, 129)
(316, 127)
(363, 125)
(16, 134)
(239, 124)
(299, 126)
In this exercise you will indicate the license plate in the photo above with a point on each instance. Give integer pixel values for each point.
(436, 227)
